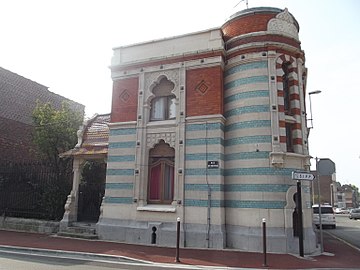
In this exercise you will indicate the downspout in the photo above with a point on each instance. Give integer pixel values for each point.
(208, 189)
(183, 198)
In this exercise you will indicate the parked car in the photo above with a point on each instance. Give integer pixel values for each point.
(341, 211)
(327, 216)
(354, 214)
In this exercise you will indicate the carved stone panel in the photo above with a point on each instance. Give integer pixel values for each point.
(155, 77)
(154, 138)
(283, 23)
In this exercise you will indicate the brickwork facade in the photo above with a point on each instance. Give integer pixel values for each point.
(204, 95)
(124, 100)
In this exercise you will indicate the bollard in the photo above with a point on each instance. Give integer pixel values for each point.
(177, 240)
(153, 235)
(264, 241)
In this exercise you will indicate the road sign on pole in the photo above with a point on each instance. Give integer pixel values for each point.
(302, 176)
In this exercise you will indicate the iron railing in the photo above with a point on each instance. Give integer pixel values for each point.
(33, 190)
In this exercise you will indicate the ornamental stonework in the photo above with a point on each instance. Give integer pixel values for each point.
(283, 23)
(154, 138)
(172, 75)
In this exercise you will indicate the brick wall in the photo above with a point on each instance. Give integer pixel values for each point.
(16, 142)
(204, 91)
(246, 24)
(18, 97)
(124, 100)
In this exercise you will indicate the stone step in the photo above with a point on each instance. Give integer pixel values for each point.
(77, 235)
(80, 230)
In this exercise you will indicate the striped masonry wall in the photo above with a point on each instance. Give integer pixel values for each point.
(204, 142)
(248, 141)
(120, 166)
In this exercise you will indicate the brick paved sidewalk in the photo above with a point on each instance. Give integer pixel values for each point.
(337, 254)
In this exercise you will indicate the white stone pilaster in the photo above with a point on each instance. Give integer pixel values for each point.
(71, 205)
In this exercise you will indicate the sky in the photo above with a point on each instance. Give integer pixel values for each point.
(67, 46)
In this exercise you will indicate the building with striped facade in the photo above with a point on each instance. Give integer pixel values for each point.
(208, 127)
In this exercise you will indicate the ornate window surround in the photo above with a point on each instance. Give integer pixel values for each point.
(150, 133)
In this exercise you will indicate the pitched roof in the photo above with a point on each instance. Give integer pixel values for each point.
(18, 97)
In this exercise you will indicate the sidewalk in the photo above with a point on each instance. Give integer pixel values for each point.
(337, 255)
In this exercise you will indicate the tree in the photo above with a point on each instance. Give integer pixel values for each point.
(55, 132)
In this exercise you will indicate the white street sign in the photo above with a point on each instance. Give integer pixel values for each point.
(302, 176)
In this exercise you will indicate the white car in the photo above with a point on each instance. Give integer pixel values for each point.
(327, 216)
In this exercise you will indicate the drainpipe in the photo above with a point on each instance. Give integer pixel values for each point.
(209, 191)
(183, 198)
(208, 217)
(182, 125)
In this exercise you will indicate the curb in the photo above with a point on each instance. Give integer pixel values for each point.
(104, 258)
(68, 255)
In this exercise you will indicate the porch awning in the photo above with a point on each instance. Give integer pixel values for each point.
(93, 138)
(86, 152)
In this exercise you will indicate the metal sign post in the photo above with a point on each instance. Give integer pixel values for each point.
(300, 218)
(300, 176)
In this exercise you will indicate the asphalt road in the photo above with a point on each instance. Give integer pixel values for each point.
(31, 262)
(347, 229)
(23, 261)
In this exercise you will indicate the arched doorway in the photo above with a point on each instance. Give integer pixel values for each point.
(91, 191)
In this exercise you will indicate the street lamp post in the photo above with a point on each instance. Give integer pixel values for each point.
(319, 205)
(317, 174)
(311, 126)
(332, 195)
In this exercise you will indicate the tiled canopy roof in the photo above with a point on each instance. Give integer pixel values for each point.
(93, 138)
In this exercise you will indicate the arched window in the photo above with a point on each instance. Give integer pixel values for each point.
(161, 174)
(286, 86)
(163, 106)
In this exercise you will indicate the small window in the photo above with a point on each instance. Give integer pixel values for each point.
(163, 108)
(163, 105)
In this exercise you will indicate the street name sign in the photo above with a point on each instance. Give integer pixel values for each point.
(214, 164)
(302, 176)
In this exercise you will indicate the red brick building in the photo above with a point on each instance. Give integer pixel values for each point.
(18, 97)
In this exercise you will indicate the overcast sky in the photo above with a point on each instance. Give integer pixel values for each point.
(67, 46)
